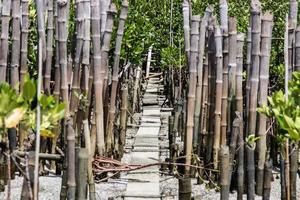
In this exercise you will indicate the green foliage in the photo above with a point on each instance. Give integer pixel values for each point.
(18, 108)
(286, 110)
(251, 139)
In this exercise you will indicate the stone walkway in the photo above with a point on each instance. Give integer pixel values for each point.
(144, 183)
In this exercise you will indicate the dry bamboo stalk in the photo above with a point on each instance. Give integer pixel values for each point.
(201, 49)
(49, 50)
(186, 27)
(248, 73)
(71, 160)
(104, 7)
(294, 157)
(91, 183)
(56, 91)
(83, 158)
(265, 49)
(98, 108)
(135, 90)
(24, 40)
(232, 34)
(224, 174)
(224, 28)
(123, 115)
(292, 24)
(254, 79)
(16, 34)
(78, 56)
(218, 100)
(115, 79)
(297, 49)
(191, 92)
(268, 176)
(6, 5)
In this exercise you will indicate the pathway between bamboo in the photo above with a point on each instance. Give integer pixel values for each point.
(144, 183)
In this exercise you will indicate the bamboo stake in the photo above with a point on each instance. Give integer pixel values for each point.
(112, 111)
(297, 49)
(266, 35)
(292, 24)
(80, 29)
(192, 91)
(231, 71)
(248, 72)
(104, 7)
(71, 160)
(6, 5)
(49, 50)
(254, 79)
(149, 61)
(123, 115)
(83, 157)
(16, 34)
(224, 29)
(186, 27)
(218, 100)
(135, 90)
(95, 20)
(56, 91)
(224, 175)
(268, 175)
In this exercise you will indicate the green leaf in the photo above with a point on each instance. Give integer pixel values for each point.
(29, 90)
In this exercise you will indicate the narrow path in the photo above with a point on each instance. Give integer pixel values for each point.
(144, 183)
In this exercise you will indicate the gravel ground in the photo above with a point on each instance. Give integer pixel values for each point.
(114, 188)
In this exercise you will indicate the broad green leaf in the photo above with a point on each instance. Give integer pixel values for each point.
(29, 90)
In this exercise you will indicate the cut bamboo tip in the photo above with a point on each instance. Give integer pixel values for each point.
(240, 37)
(112, 9)
(268, 16)
(125, 3)
(255, 6)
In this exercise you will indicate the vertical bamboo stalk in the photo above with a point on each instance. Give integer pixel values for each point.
(254, 79)
(104, 7)
(266, 37)
(224, 174)
(231, 71)
(115, 78)
(149, 61)
(95, 16)
(135, 90)
(292, 24)
(78, 56)
(62, 46)
(204, 107)
(297, 49)
(49, 50)
(248, 73)
(218, 100)
(268, 175)
(56, 91)
(294, 158)
(4, 38)
(224, 28)
(16, 34)
(123, 115)
(83, 157)
(186, 27)
(71, 160)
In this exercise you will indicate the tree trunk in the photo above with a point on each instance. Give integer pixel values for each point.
(266, 37)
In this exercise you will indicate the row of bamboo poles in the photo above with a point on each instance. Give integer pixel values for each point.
(216, 114)
(93, 89)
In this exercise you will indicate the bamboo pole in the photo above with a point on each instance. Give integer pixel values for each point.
(232, 34)
(186, 27)
(292, 24)
(297, 49)
(123, 115)
(16, 34)
(49, 50)
(98, 109)
(224, 174)
(80, 29)
(56, 91)
(71, 160)
(268, 176)
(6, 7)
(149, 61)
(218, 100)
(104, 7)
(83, 158)
(266, 35)
(135, 90)
(254, 79)
(112, 110)
(248, 73)
(224, 29)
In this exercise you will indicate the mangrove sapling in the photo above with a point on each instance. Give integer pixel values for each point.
(218, 100)
(292, 24)
(49, 49)
(98, 108)
(254, 79)
(6, 5)
(15, 51)
(224, 172)
(265, 49)
(78, 57)
(232, 34)
(297, 49)
(115, 79)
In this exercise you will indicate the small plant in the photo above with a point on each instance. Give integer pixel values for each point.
(251, 139)
(286, 110)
